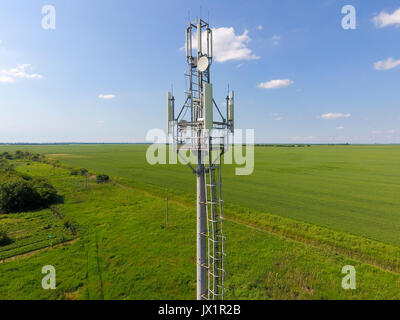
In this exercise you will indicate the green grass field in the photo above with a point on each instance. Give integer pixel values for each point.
(347, 188)
(292, 226)
(32, 231)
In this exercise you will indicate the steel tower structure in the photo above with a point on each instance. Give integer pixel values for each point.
(194, 129)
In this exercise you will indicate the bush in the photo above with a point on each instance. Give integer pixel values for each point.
(6, 155)
(22, 155)
(18, 195)
(69, 224)
(36, 157)
(4, 239)
(102, 178)
(83, 172)
(47, 193)
(19, 154)
(79, 172)
(23, 176)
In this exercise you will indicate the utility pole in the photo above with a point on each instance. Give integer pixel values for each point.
(166, 211)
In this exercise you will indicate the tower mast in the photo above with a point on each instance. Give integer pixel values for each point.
(195, 129)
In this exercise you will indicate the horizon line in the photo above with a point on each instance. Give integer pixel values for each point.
(258, 143)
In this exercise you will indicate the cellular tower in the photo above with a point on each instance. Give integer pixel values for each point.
(201, 128)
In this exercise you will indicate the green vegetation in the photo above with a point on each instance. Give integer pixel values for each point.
(31, 231)
(80, 172)
(4, 238)
(18, 155)
(19, 192)
(102, 178)
(353, 189)
(24, 231)
(291, 227)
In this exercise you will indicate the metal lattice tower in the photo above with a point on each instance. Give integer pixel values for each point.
(196, 130)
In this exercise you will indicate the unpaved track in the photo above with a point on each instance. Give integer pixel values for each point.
(33, 252)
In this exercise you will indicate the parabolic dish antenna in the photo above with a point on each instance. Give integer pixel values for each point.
(202, 64)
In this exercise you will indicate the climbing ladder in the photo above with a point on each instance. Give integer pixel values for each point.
(215, 228)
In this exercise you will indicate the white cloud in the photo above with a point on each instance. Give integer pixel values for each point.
(260, 27)
(274, 84)
(107, 96)
(339, 128)
(19, 72)
(333, 116)
(279, 119)
(227, 45)
(387, 64)
(6, 79)
(385, 19)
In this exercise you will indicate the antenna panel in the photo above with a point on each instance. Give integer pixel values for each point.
(208, 106)
(170, 111)
(231, 107)
(199, 42)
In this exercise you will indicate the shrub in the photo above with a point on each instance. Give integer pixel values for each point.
(36, 157)
(24, 176)
(19, 154)
(47, 193)
(18, 194)
(102, 178)
(6, 155)
(69, 224)
(74, 172)
(83, 172)
(4, 239)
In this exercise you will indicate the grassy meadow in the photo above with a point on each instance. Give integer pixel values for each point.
(291, 226)
(354, 189)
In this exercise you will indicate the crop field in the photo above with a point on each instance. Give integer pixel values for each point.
(354, 189)
(291, 226)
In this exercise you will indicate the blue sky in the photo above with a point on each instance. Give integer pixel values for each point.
(298, 75)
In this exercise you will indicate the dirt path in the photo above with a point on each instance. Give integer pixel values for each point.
(33, 252)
